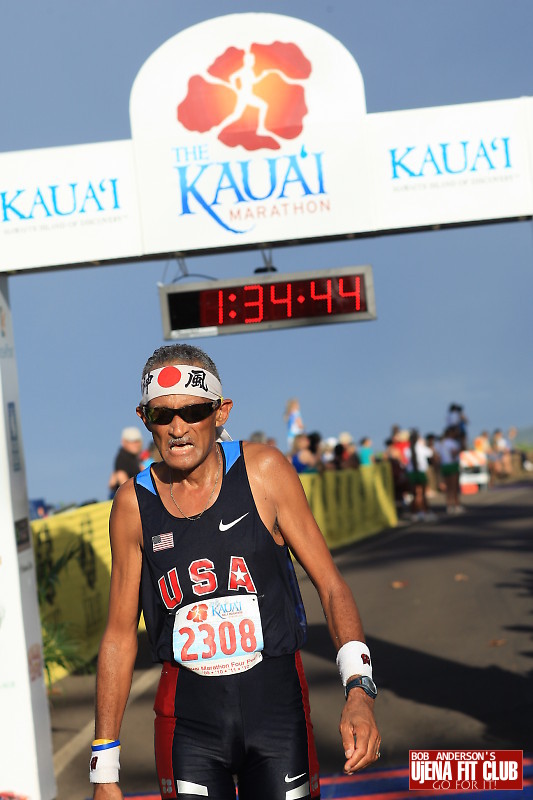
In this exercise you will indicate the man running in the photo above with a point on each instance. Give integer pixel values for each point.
(200, 541)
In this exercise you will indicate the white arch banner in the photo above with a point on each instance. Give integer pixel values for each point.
(251, 129)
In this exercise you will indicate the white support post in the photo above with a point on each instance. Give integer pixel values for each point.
(26, 762)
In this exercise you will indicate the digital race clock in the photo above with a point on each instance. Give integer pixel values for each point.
(266, 301)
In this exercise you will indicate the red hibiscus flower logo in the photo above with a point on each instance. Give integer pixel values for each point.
(198, 613)
(254, 97)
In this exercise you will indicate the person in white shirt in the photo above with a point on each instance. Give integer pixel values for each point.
(418, 455)
(449, 449)
(502, 450)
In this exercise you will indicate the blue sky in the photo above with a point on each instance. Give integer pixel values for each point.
(454, 320)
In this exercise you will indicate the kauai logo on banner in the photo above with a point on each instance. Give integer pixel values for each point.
(254, 98)
(238, 125)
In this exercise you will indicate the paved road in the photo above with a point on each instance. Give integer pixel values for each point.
(447, 608)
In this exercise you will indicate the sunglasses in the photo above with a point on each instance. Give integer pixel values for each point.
(190, 414)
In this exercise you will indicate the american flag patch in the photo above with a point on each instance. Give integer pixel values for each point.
(163, 542)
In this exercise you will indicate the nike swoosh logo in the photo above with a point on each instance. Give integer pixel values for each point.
(290, 780)
(223, 527)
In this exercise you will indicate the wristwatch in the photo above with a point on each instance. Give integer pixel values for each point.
(365, 683)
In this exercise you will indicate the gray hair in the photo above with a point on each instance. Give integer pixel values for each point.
(180, 354)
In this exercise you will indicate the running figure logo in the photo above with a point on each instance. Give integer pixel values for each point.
(198, 613)
(254, 98)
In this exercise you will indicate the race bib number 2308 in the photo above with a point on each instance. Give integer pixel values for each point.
(219, 636)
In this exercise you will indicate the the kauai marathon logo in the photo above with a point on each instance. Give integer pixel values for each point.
(249, 100)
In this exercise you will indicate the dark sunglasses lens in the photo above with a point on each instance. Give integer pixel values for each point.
(159, 416)
(189, 414)
(197, 412)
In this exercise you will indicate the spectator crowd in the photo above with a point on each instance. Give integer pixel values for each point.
(422, 465)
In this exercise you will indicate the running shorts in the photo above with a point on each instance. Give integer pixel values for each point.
(252, 729)
(449, 469)
(417, 478)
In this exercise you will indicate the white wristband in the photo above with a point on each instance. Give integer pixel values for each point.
(353, 658)
(105, 763)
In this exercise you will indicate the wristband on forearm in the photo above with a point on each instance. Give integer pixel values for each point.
(105, 764)
(353, 658)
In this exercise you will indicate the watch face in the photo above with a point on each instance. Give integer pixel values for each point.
(368, 683)
(365, 683)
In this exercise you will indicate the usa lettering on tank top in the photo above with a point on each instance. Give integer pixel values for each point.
(218, 594)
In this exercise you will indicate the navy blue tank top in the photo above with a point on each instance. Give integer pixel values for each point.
(228, 551)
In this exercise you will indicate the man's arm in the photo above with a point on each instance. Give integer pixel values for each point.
(118, 648)
(280, 498)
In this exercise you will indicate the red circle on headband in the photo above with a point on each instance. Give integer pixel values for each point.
(169, 376)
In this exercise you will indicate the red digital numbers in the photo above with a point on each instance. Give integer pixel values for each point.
(278, 301)
(257, 303)
(287, 300)
(326, 297)
(220, 307)
(356, 294)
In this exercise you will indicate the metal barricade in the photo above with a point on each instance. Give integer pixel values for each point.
(473, 471)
